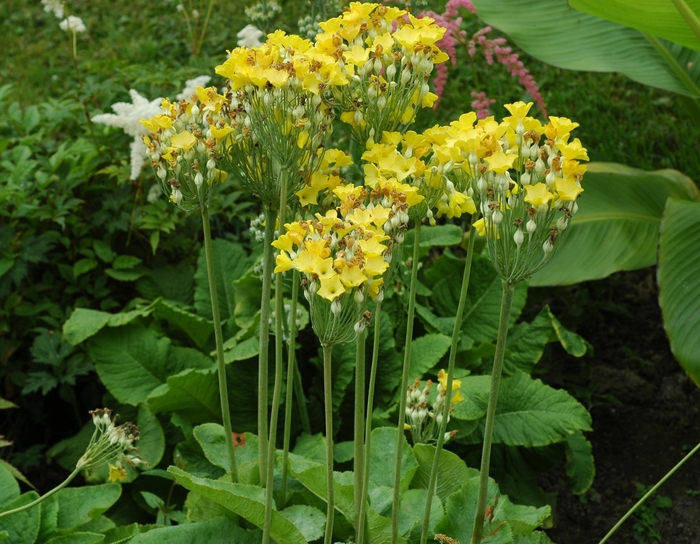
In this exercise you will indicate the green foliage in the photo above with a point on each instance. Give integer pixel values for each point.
(649, 517)
(679, 285)
(607, 236)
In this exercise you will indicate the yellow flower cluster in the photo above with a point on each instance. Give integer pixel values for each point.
(184, 145)
(527, 190)
(387, 55)
(279, 94)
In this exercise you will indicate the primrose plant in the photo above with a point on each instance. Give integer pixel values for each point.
(269, 130)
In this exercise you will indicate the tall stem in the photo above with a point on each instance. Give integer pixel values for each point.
(301, 401)
(270, 219)
(291, 371)
(198, 46)
(649, 493)
(368, 422)
(218, 336)
(328, 403)
(456, 335)
(279, 372)
(404, 386)
(359, 428)
(506, 302)
(43, 497)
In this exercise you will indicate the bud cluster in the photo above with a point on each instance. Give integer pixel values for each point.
(112, 444)
(184, 145)
(423, 415)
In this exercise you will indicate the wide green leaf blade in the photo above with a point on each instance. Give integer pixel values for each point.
(193, 393)
(245, 500)
(530, 413)
(617, 223)
(221, 530)
(78, 505)
(195, 326)
(679, 282)
(230, 263)
(383, 456)
(580, 466)
(578, 41)
(9, 488)
(452, 471)
(658, 17)
(22, 527)
(132, 361)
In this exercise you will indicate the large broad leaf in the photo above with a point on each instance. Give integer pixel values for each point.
(382, 460)
(483, 305)
(221, 530)
(245, 500)
(679, 282)
(230, 263)
(84, 323)
(22, 527)
(658, 17)
(312, 476)
(580, 467)
(194, 394)
(578, 41)
(617, 223)
(196, 327)
(452, 471)
(9, 488)
(132, 361)
(530, 413)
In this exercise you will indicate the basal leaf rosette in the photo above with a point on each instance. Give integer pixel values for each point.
(528, 189)
(387, 55)
(342, 263)
(185, 144)
(280, 95)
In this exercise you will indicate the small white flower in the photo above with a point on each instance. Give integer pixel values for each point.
(72, 24)
(250, 36)
(55, 6)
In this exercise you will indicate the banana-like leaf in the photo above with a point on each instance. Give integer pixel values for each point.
(679, 282)
(557, 34)
(617, 224)
(668, 19)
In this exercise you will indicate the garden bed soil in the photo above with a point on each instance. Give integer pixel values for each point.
(645, 409)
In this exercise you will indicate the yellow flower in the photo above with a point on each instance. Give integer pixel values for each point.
(501, 162)
(117, 473)
(184, 140)
(568, 189)
(283, 263)
(518, 110)
(538, 194)
(573, 151)
(331, 288)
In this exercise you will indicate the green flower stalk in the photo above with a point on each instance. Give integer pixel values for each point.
(528, 194)
(184, 145)
(110, 443)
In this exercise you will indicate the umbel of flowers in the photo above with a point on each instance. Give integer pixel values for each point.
(387, 56)
(528, 187)
(184, 146)
(280, 101)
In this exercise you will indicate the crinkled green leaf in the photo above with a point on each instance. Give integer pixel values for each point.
(192, 393)
(9, 488)
(475, 390)
(230, 263)
(132, 361)
(580, 466)
(452, 471)
(412, 512)
(212, 439)
(310, 521)
(606, 236)
(221, 530)
(196, 327)
(383, 455)
(78, 538)
(426, 353)
(78, 505)
(244, 500)
(151, 437)
(530, 413)
(22, 527)
(84, 323)
(679, 282)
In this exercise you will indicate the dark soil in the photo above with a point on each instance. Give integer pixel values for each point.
(646, 413)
